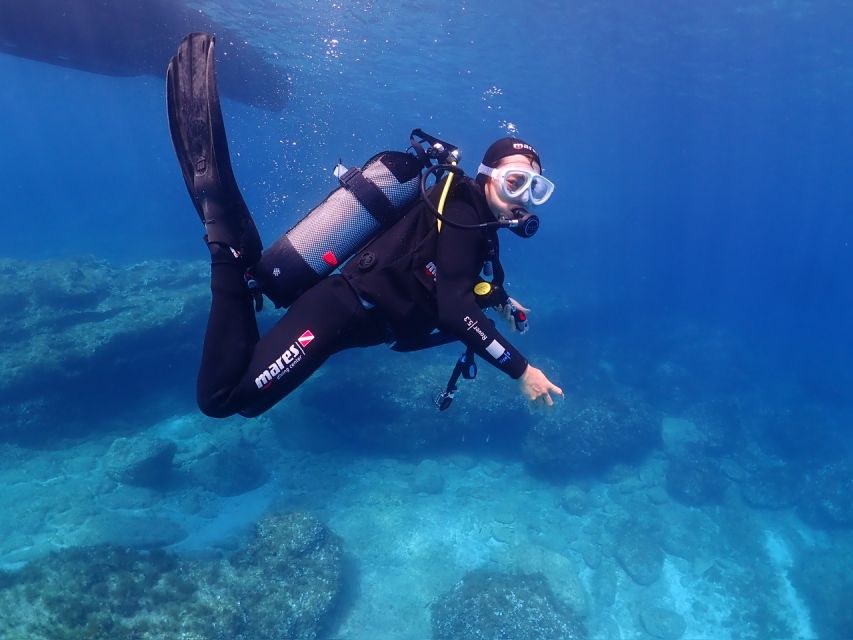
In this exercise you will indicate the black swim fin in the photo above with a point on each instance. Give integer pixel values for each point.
(198, 133)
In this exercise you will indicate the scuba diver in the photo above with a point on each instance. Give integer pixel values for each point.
(415, 269)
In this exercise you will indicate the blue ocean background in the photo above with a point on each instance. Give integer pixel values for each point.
(694, 262)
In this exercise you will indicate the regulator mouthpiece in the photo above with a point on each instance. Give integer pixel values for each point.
(525, 224)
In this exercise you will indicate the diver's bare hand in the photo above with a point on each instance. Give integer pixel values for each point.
(536, 387)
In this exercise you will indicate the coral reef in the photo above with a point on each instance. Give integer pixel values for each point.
(486, 605)
(282, 585)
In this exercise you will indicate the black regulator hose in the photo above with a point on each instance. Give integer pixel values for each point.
(525, 224)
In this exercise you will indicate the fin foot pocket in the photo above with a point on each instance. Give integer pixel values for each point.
(198, 134)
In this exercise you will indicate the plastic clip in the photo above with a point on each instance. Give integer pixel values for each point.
(254, 291)
(444, 399)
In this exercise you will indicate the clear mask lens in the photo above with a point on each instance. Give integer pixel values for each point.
(516, 183)
(523, 186)
(520, 185)
(540, 189)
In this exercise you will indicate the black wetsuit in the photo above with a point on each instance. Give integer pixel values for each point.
(409, 281)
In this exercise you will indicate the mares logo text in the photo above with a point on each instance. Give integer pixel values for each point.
(285, 362)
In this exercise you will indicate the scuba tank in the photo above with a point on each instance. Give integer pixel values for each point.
(368, 201)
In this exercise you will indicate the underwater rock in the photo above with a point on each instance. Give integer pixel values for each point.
(133, 532)
(590, 552)
(292, 573)
(558, 570)
(83, 324)
(828, 501)
(695, 481)
(282, 585)
(824, 579)
(710, 428)
(574, 501)
(487, 605)
(140, 461)
(640, 556)
(733, 469)
(689, 535)
(662, 623)
(604, 431)
(604, 584)
(66, 285)
(657, 495)
(396, 411)
(428, 478)
(718, 426)
(463, 462)
(775, 488)
(802, 433)
(230, 472)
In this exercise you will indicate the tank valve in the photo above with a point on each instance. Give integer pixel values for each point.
(340, 169)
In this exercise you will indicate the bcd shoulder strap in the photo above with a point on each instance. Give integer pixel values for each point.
(370, 196)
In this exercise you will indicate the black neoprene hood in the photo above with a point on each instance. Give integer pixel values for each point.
(506, 147)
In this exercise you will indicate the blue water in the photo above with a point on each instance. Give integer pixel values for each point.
(701, 152)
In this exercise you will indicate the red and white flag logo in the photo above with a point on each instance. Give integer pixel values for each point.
(305, 339)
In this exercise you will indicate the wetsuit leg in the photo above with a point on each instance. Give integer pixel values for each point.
(254, 376)
(231, 336)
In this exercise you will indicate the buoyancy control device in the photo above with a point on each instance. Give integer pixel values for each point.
(368, 201)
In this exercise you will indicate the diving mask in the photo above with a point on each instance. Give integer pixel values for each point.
(519, 185)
